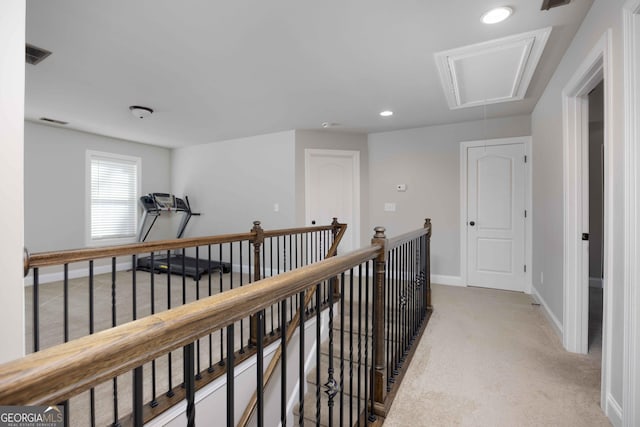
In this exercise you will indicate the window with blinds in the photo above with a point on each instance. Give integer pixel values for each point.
(113, 196)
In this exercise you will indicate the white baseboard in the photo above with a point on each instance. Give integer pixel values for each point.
(75, 273)
(442, 279)
(595, 282)
(557, 325)
(613, 411)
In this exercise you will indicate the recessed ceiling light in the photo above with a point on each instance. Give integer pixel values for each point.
(496, 15)
(386, 113)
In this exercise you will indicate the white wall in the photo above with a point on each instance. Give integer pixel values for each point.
(12, 39)
(55, 182)
(548, 176)
(232, 183)
(427, 160)
(331, 140)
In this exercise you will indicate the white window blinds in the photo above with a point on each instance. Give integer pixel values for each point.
(113, 204)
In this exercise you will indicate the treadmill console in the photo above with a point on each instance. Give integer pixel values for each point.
(165, 201)
(148, 203)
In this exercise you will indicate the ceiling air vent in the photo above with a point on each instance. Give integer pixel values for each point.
(550, 4)
(54, 121)
(35, 54)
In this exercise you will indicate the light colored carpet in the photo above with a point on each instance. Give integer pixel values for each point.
(490, 358)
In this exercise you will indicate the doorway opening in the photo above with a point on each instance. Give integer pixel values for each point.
(594, 71)
(596, 218)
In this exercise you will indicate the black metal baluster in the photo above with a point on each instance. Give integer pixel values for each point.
(368, 375)
(210, 288)
(154, 400)
(230, 376)
(36, 310)
(359, 338)
(260, 368)
(405, 283)
(138, 397)
(331, 385)
(241, 284)
(92, 392)
(301, 373)
(351, 347)
(137, 380)
(114, 320)
(189, 384)
(283, 363)
(65, 404)
(281, 316)
(221, 362)
(170, 392)
(387, 323)
(197, 349)
(341, 385)
(398, 315)
(184, 277)
(318, 354)
(264, 274)
(66, 303)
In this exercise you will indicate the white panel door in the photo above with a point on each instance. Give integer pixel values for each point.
(333, 191)
(496, 217)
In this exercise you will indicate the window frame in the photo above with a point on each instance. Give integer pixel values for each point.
(90, 155)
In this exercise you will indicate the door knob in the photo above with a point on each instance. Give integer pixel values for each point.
(472, 223)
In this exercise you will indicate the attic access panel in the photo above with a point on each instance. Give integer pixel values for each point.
(490, 72)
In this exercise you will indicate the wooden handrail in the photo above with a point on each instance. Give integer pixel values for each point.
(45, 259)
(407, 237)
(58, 373)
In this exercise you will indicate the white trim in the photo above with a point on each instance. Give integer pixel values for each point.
(631, 358)
(58, 276)
(531, 45)
(557, 326)
(355, 158)
(526, 141)
(595, 67)
(614, 412)
(441, 279)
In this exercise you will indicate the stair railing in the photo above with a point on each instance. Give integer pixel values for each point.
(400, 279)
(69, 307)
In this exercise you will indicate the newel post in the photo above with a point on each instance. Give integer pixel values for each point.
(379, 380)
(258, 240)
(427, 254)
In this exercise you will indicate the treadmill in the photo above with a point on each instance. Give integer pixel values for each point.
(154, 204)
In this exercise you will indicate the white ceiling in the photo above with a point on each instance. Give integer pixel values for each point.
(216, 70)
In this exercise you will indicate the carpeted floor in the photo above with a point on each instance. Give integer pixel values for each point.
(490, 358)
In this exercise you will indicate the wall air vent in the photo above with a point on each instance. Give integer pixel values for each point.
(54, 121)
(550, 4)
(35, 54)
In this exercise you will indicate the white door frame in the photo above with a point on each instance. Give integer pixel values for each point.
(631, 376)
(355, 159)
(526, 140)
(575, 320)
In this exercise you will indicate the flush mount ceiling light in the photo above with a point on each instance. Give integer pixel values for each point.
(140, 112)
(386, 113)
(496, 15)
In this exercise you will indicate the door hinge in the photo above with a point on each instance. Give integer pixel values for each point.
(525, 158)
(525, 268)
(525, 213)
